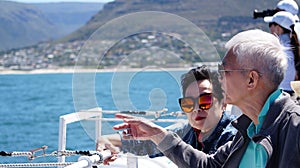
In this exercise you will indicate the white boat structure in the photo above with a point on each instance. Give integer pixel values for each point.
(94, 159)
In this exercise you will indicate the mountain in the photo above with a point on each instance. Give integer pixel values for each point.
(220, 19)
(68, 16)
(215, 17)
(24, 24)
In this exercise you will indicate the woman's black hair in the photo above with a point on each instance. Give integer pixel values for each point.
(295, 45)
(202, 73)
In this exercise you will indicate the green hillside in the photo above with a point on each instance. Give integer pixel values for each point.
(22, 24)
(68, 16)
(215, 17)
(220, 19)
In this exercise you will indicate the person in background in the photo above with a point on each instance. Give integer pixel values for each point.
(269, 128)
(289, 6)
(208, 125)
(282, 25)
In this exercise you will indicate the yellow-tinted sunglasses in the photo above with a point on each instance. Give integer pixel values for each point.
(187, 104)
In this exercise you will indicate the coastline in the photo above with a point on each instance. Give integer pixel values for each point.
(79, 70)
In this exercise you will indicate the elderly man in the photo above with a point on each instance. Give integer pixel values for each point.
(269, 129)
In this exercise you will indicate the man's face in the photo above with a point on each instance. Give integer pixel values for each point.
(233, 79)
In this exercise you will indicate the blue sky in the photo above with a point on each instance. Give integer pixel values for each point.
(38, 1)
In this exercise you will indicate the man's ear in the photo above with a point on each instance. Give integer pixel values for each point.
(253, 79)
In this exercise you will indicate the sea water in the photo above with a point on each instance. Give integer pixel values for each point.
(31, 104)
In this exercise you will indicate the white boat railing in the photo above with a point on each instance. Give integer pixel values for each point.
(75, 117)
(96, 114)
(90, 159)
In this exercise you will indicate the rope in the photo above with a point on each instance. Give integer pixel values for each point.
(55, 153)
(21, 154)
(88, 158)
(36, 164)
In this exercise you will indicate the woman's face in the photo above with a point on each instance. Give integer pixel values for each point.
(203, 120)
(276, 29)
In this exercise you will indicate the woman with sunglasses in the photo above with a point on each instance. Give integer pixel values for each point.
(208, 125)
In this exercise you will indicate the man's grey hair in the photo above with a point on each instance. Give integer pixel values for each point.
(261, 51)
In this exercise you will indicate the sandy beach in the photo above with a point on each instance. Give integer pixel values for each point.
(38, 71)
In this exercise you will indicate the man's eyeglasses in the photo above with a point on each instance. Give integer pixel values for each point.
(222, 71)
(187, 104)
